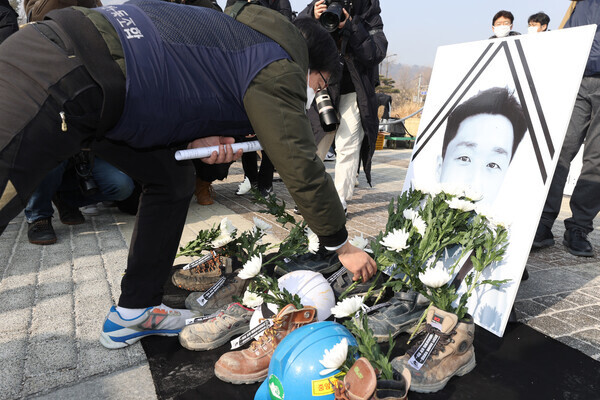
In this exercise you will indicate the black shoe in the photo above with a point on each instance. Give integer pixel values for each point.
(543, 237)
(266, 192)
(324, 263)
(297, 211)
(577, 243)
(400, 315)
(68, 214)
(41, 232)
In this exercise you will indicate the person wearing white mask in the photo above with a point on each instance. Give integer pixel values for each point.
(538, 22)
(502, 25)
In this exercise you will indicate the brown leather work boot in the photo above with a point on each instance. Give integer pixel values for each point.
(204, 192)
(252, 364)
(452, 353)
(360, 383)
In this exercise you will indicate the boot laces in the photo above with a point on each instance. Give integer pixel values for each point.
(209, 265)
(268, 335)
(445, 339)
(339, 390)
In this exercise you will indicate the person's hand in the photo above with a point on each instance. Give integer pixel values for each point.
(348, 18)
(225, 154)
(357, 261)
(319, 9)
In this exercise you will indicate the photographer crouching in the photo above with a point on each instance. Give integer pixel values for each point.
(357, 28)
(80, 181)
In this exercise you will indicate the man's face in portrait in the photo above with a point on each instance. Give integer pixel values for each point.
(479, 155)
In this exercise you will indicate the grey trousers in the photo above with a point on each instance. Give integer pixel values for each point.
(584, 127)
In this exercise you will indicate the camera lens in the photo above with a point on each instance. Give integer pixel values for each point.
(330, 19)
(327, 114)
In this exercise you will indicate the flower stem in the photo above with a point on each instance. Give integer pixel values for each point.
(419, 324)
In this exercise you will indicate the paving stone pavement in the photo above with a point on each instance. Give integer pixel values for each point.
(56, 297)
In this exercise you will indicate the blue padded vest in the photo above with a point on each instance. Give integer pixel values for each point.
(188, 69)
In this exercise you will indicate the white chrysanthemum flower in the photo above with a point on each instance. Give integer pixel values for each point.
(313, 240)
(251, 299)
(251, 268)
(221, 240)
(361, 243)
(244, 187)
(347, 307)
(473, 194)
(453, 189)
(409, 213)
(334, 358)
(262, 225)
(419, 224)
(431, 188)
(463, 205)
(396, 240)
(494, 219)
(227, 227)
(435, 277)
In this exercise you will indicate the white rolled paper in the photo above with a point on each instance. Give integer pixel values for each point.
(203, 152)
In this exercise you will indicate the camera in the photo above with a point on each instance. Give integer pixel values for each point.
(331, 18)
(327, 114)
(83, 167)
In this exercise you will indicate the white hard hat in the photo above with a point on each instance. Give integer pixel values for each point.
(313, 290)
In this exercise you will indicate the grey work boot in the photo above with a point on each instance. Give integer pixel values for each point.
(452, 352)
(233, 286)
(232, 320)
(404, 311)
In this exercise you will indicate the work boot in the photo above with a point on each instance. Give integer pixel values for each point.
(204, 192)
(41, 232)
(200, 277)
(230, 321)
(360, 383)
(404, 311)
(321, 262)
(577, 243)
(252, 364)
(453, 354)
(233, 286)
(67, 214)
(543, 237)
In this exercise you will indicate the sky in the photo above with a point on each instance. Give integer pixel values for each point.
(416, 28)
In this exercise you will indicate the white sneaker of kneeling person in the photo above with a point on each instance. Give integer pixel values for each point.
(125, 326)
(90, 210)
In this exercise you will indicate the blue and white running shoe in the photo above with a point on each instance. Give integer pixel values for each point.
(118, 332)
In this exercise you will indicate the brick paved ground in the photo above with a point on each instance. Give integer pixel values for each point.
(55, 297)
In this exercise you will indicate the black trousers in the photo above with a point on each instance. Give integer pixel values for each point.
(41, 76)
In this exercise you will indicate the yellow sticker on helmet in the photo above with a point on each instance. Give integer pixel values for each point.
(325, 386)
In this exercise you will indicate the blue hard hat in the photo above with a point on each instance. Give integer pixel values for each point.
(294, 370)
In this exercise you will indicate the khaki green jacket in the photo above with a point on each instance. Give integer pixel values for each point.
(275, 103)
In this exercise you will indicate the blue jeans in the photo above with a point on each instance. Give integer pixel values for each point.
(113, 185)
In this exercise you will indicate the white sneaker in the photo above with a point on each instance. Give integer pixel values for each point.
(118, 332)
(330, 156)
(90, 210)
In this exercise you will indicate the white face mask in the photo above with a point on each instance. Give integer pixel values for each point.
(310, 92)
(502, 30)
(532, 29)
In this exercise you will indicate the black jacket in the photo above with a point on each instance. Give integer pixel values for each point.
(283, 6)
(366, 48)
(8, 20)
